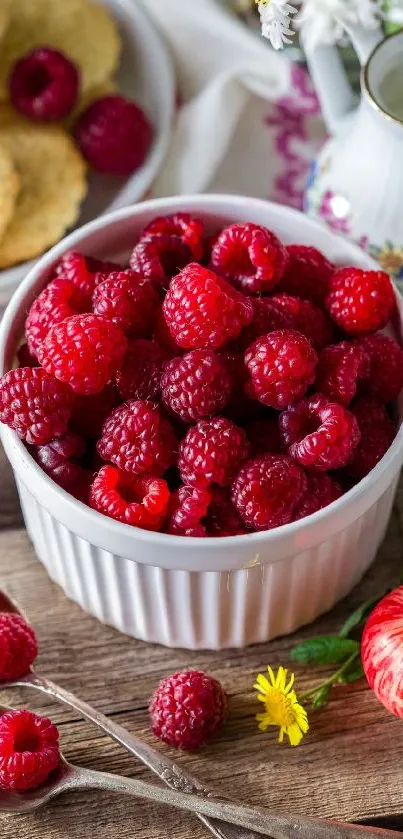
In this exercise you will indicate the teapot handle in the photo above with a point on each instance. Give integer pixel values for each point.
(330, 79)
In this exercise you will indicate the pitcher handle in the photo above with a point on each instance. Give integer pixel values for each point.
(329, 77)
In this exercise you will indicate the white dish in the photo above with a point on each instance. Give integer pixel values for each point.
(145, 75)
(198, 593)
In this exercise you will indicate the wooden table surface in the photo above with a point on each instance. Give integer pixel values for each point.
(350, 766)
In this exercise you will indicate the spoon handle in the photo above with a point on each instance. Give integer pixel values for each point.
(257, 819)
(173, 776)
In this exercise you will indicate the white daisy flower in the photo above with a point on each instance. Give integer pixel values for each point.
(324, 21)
(275, 17)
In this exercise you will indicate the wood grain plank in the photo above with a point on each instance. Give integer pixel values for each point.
(349, 766)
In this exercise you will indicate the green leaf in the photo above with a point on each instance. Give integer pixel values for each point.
(326, 649)
(353, 673)
(320, 697)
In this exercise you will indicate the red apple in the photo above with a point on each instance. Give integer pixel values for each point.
(382, 651)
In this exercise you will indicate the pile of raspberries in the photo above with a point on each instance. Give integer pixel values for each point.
(219, 385)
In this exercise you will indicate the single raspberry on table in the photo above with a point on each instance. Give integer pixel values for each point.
(212, 452)
(264, 436)
(44, 85)
(188, 709)
(340, 370)
(281, 367)
(189, 228)
(138, 438)
(114, 135)
(307, 318)
(319, 434)
(187, 510)
(59, 300)
(307, 273)
(160, 256)
(267, 490)
(29, 750)
(140, 374)
(139, 500)
(60, 459)
(128, 300)
(320, 492)
(35, 405)
(377, 435)
(385, 379)
(202, 310)
(18, 646)
(360, 301)
(251, 256)
(85, 272)
(90, 412)
(85, 351)
(195, 386)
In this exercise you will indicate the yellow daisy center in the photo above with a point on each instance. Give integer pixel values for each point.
(279, 707)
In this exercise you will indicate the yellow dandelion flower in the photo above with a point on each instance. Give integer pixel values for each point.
(281, 706)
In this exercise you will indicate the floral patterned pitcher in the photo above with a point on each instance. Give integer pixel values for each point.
(356, 184)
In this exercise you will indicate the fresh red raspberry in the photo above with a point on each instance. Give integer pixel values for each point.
(360, 301)
(59, 300)
(319, 434)
(222, 519)
(340, 370)
(188, 709)
(195, 386)
(159, 257)
(377, 435)
(140, 500)
(307, 273)
(188, 508)
(164, 338)
(202, 310)
(35, 405)
(44, 85)
(386, 367)
(320, 492)
(29, 750)
(308, 319)
(25, 357)
(90, 412)
(268, 316)
(267, 490)
(212, 452)
(114, 135)
(281, 366)
(264, 436)
(129, 301)
(60, 459)
(188, 227)
(85, 272)
(18, 646)
(140, 374)
(251, 256)
(84, 351)
(137, 438)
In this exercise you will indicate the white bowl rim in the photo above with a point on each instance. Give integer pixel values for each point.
(14, 446)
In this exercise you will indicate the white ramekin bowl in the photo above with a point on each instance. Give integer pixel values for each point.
(197, 593)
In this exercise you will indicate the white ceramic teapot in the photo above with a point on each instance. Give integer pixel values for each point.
(356, 184)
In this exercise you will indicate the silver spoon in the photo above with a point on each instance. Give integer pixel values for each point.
(168, 771)
(276, 825)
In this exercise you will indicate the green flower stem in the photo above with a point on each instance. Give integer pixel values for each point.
(332, 679)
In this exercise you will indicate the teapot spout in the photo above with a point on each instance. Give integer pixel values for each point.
(364, 40)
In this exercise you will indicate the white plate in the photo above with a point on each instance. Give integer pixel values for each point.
(146, 75)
